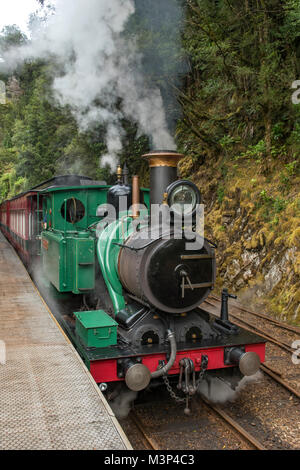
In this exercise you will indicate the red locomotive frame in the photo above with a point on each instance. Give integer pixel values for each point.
(107, 370)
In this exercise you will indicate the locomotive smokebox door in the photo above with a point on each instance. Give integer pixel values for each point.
(165, 274)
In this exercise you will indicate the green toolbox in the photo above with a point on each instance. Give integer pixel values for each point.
(96, 329)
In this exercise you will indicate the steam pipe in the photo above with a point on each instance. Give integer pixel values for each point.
(135, 197)
(167, 367)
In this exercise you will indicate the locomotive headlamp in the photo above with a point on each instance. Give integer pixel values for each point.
(183, 197)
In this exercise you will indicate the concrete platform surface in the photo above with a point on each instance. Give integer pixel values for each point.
(48, 399)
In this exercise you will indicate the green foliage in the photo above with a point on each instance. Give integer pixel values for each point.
(11, 185)
(38, 139)
(227, 142)
(256, 152)
(286, 176)
(271, 206)
(293, 167)
(11, 36)
(224, 170)
(220, 194)
(278, 131)
(244, 57)
(259, 152)
(231, 74)
(135, 145)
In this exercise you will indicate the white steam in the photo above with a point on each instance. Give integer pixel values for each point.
(96, 66)
(217, 391)
(121, 405)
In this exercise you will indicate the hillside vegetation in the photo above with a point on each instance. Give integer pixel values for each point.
(228, 94)
(241, 133)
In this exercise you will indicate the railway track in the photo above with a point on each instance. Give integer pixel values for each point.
(293, 333)
(151, 443)
(240, 437)
(216, 303)
(246, 436)
(170, 431)
(283, 326)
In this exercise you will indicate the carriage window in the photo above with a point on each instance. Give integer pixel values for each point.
(73, 210)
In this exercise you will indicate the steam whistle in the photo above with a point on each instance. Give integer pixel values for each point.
(223, 322)
(119, 174)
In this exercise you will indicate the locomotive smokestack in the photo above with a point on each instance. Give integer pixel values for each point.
(163, 172)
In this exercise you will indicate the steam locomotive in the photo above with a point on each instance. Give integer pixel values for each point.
(140, 288)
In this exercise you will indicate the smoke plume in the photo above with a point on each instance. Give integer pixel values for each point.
(217, 391)
(121, 405)
(99, 70)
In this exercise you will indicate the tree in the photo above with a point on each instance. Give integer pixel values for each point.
(243, 58)
(11, 36)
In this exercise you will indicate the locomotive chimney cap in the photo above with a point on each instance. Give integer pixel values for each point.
(169, 158)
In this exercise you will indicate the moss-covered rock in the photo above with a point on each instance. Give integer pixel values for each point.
(257, 230)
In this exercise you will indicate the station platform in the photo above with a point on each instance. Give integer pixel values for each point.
(48, 399)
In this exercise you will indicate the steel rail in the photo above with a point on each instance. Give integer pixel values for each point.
(151, 442)
(262, 333)
(265, 368)
(234, 424)
(278, 379)
(293, 329)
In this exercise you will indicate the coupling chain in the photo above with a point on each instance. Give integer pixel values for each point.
(203, 368)
(171, 391)
(204, 363)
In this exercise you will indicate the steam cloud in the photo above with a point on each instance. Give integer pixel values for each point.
(218, 391)
(121, 405)
(97, 66)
